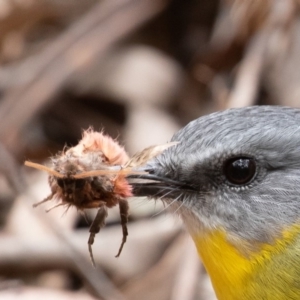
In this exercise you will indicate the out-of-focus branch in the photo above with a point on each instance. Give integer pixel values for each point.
(86, 41)
(248, 79)
(67, 250)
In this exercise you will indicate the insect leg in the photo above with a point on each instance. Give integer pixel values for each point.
(124, 208)
(97, 224)
(57, 205)
(43, 201)
(84, 215)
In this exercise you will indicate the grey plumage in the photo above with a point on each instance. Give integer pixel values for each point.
(271, 135)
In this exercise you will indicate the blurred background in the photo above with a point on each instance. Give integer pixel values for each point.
(140, 70)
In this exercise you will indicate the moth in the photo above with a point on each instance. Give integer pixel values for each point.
(93, 174)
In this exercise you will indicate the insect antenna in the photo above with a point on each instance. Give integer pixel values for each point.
(95, 173)
(43, 168)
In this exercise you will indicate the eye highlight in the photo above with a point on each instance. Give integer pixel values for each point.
(239, 170)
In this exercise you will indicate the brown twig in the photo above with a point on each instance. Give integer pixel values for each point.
(85, 41)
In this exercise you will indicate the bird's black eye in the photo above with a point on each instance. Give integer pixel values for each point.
(239, 170)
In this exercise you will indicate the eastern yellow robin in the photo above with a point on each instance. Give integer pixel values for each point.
(234, 178)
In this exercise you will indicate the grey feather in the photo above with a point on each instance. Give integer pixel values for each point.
(257, 211)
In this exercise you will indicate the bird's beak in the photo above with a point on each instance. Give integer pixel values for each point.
(151, 185)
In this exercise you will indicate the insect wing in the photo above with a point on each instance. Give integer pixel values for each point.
(145, 155)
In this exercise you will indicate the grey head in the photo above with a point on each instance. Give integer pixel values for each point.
(237, 169)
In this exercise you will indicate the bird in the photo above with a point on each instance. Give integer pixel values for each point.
(234, 179)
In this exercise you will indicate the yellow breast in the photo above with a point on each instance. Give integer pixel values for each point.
(271, 272)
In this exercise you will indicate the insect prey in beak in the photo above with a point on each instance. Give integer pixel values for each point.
(93, 174)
